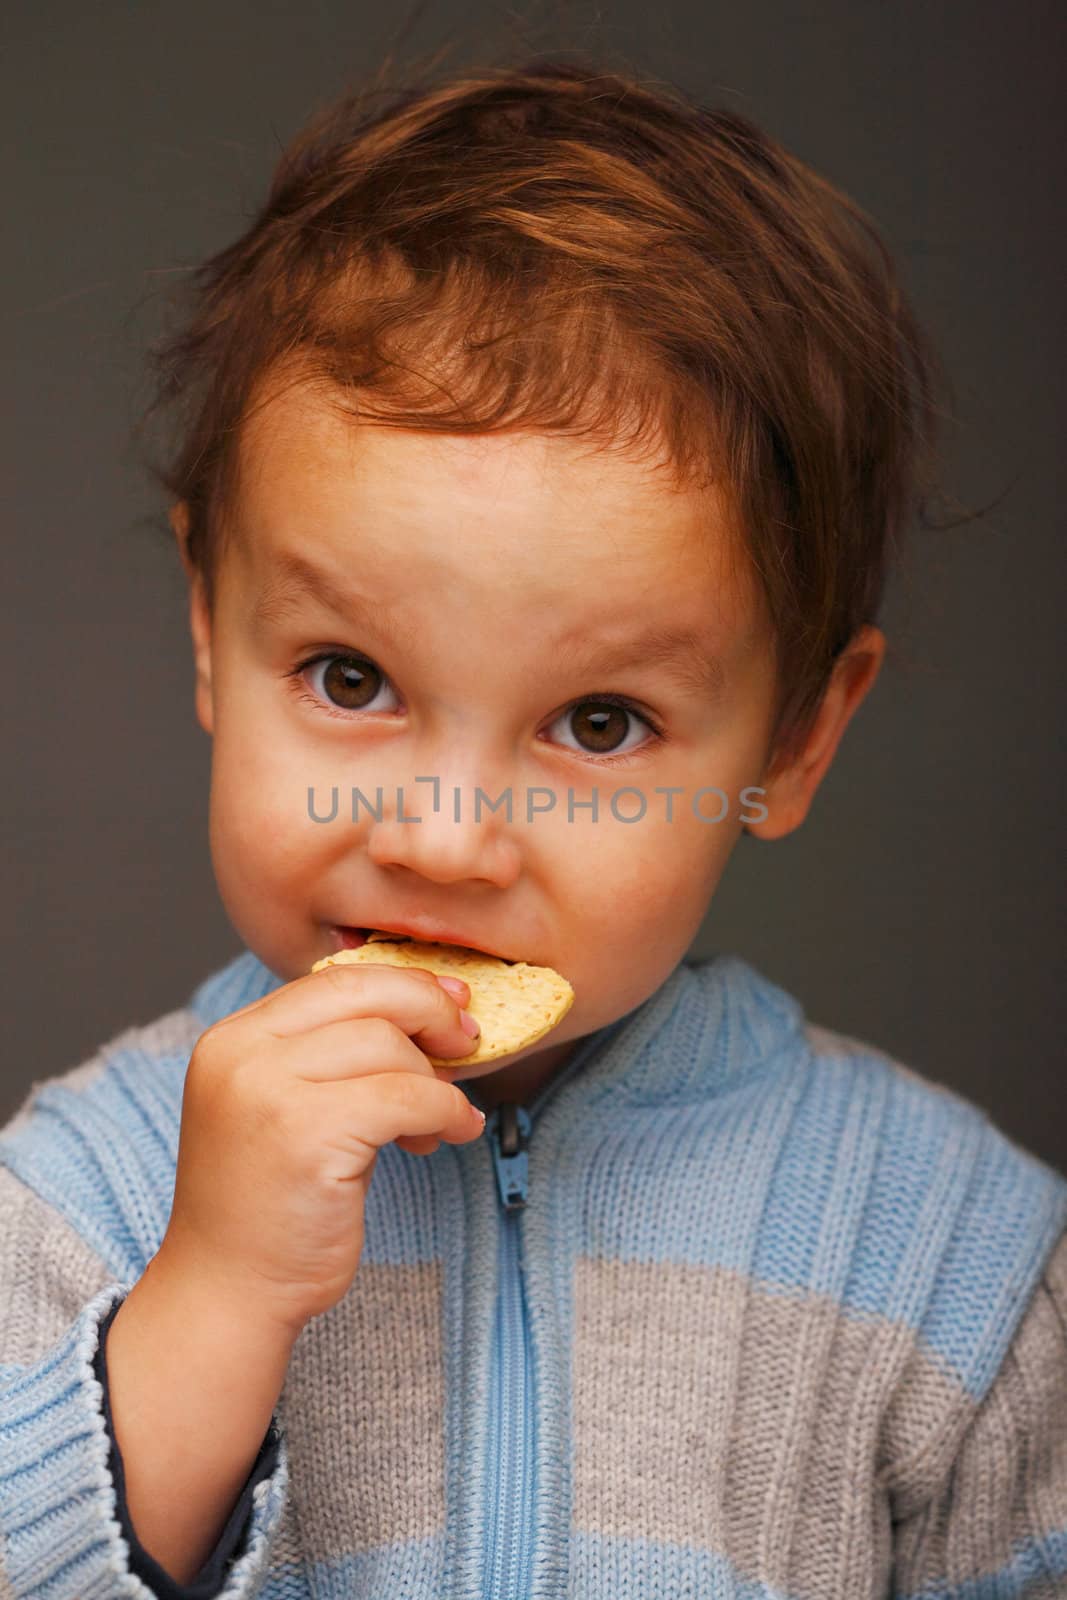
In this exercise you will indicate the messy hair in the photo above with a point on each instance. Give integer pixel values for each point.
(560, 248)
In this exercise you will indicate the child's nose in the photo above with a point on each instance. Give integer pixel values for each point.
(458, 841)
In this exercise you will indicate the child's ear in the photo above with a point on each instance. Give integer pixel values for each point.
(199, 618)
(788, 794)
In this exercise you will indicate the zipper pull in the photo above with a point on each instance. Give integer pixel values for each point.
(509, 1136)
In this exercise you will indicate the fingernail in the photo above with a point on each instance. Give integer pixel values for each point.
(470, 1025)
(455, 987)
(478, 1112)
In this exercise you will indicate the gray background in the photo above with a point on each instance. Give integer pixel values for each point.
(920, 905)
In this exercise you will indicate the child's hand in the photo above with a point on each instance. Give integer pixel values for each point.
(286, 1105)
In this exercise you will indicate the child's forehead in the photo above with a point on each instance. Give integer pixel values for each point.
(308, 459)
(522, 532)
(312, 430)
(553, 518)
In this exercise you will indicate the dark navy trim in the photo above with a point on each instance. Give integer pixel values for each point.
(211, 1578)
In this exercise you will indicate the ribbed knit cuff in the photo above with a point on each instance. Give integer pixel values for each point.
(61, 1536)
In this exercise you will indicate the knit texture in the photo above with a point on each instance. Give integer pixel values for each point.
(785, 1321)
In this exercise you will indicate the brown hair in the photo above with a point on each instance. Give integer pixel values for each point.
(555, 247)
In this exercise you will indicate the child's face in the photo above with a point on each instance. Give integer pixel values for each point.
(483, 584)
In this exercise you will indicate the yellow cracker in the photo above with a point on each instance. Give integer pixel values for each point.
(515, 1003)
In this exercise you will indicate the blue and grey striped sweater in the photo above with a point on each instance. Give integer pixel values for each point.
(778, 1319)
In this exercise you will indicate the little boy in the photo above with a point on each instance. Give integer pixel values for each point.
(543, 444)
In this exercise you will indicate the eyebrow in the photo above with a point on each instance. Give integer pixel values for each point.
(683, 655)
(297, 579)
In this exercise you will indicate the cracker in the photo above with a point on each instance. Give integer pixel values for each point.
(515, 1003)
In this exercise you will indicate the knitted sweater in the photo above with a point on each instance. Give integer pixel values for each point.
(757, 1313)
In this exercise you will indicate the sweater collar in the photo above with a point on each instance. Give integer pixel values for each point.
(712, 1024)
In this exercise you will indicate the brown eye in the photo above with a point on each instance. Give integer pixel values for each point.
(350, 683)
(606, 725)
(603, 728)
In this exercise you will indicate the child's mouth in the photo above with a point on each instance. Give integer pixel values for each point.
(352, 938)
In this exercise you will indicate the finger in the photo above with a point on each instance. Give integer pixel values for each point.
(356, 1047)
(373, 1111)
(457, 987)
(418, 1144)
(409, 996)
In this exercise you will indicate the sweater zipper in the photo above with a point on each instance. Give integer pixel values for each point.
(512, 1442)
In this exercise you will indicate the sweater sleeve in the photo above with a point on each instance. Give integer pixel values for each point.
(209, 1581)
(64, 1534)
(998, 1524)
